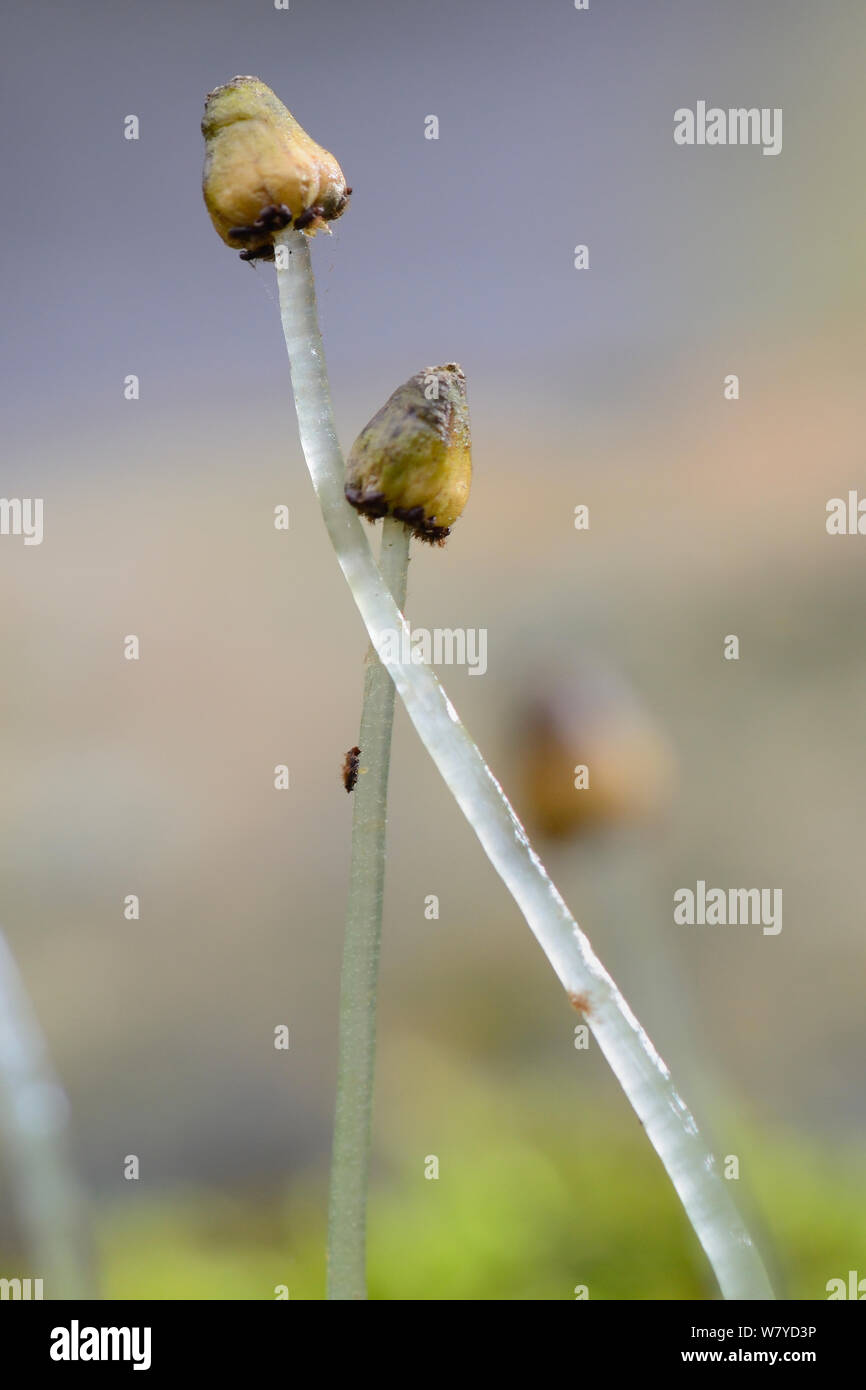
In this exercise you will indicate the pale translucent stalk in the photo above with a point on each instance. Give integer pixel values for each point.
(350, 1161)
(638, 1067)
(33, 1115)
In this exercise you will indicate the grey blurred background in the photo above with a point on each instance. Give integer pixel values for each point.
(601, 387)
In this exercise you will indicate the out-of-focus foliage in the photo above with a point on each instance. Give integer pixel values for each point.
(526, 1207)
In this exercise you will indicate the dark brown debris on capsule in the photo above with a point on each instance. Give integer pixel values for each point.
(350, 768)
(271, 219)
(373, 506)
(424, 527)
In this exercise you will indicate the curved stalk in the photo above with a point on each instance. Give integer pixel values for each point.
(33, 1111)
(632, 1057)
(350, 1161)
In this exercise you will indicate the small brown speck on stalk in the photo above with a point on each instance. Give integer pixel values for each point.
(581, 1003)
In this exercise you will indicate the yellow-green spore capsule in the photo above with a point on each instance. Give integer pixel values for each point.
(413, 461)
(262, 171)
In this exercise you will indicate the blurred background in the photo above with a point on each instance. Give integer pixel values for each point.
(601, 387)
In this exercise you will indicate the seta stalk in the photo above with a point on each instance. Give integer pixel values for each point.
(636, 1064)
(350, 1162)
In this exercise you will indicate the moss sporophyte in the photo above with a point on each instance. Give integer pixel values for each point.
(262, 171)
(268, 186)
(413, 461)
